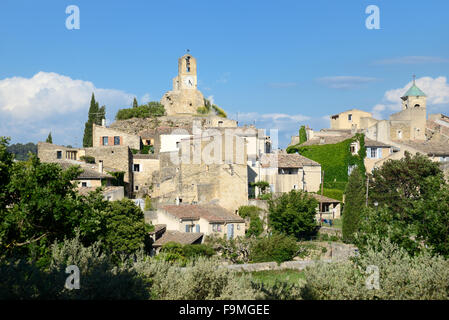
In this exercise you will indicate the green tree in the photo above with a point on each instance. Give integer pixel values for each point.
(412, 206)
(302, 135)
(355, 203)
(135, 104)
(293, 213)
(49, 138)
(398, 183)
(125, 228)
(96, 115)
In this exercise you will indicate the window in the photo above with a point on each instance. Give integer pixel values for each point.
(116, 141)
(136, 167)
(326, 207)
(295, 187)
(216, 227)
(353, 148)
(197, 228)
(373, 153)
(136, 188)
(59, 154)
(399, 133)
(83, 184)
(105, 141)
(189, 228)
(349, 117)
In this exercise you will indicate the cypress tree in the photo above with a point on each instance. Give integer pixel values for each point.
(302, 135)
(135, 104)
(96, 115)
(354, 204)
(49, 138)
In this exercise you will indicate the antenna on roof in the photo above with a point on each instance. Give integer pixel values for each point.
(414, 78)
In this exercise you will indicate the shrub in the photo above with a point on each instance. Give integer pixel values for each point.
(87, 159)
(278, 247)
(181, 254)
(401, 276)
(151, 109)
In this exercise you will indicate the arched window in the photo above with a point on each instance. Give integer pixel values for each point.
(188, 64)
(417, 106)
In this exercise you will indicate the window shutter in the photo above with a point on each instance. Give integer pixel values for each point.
(368, 152)
(197, 228)
(187, 228)
(379, 153)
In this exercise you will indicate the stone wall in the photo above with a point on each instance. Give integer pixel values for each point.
(116, 157)
(126, 139)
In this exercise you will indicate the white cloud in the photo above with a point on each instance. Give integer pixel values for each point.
(32, 107)
(437, 91)
(345, 82)
(413, 60)
(47, 94)
(145, 99)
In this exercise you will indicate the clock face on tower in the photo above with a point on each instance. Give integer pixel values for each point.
(188, 82)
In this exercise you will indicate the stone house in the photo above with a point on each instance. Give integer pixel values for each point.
(328, 208)
(285, 172)
(351, 119)
(204, 219)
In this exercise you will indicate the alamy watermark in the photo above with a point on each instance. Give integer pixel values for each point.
(73, 280)
(372, 281)
(373, 20)
(73, 20)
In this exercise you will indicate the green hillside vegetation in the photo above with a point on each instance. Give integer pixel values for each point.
(334, 160)
(21, 151)
(151, 109)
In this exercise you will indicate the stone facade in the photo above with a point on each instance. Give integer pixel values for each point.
(351, 119)
(102, 134)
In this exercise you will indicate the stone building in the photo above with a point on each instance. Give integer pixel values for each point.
(285, 172)
(406, 130)
(205, 219)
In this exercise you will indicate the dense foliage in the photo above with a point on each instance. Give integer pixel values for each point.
(151, 109)
(413, 206)
(355, 203)
(182, 254)
(21, 151)
(39, 205)
(255, 222)
(293, 214)
(335, 160)
(401, 276)
(277, 247)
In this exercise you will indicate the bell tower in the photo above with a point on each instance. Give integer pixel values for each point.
(414, 97)
(187, 78)
(185, 98)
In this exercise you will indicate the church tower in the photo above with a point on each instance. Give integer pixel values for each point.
(185, 98)
(414, 98)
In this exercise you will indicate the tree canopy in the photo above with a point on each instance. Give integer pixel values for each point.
(151, 109)
(293, 214)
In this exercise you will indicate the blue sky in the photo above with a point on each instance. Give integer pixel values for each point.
(279, 63)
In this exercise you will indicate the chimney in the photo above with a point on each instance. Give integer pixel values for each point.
(100, 166)
(103, 122)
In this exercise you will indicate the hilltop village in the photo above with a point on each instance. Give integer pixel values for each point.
(191, 170)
